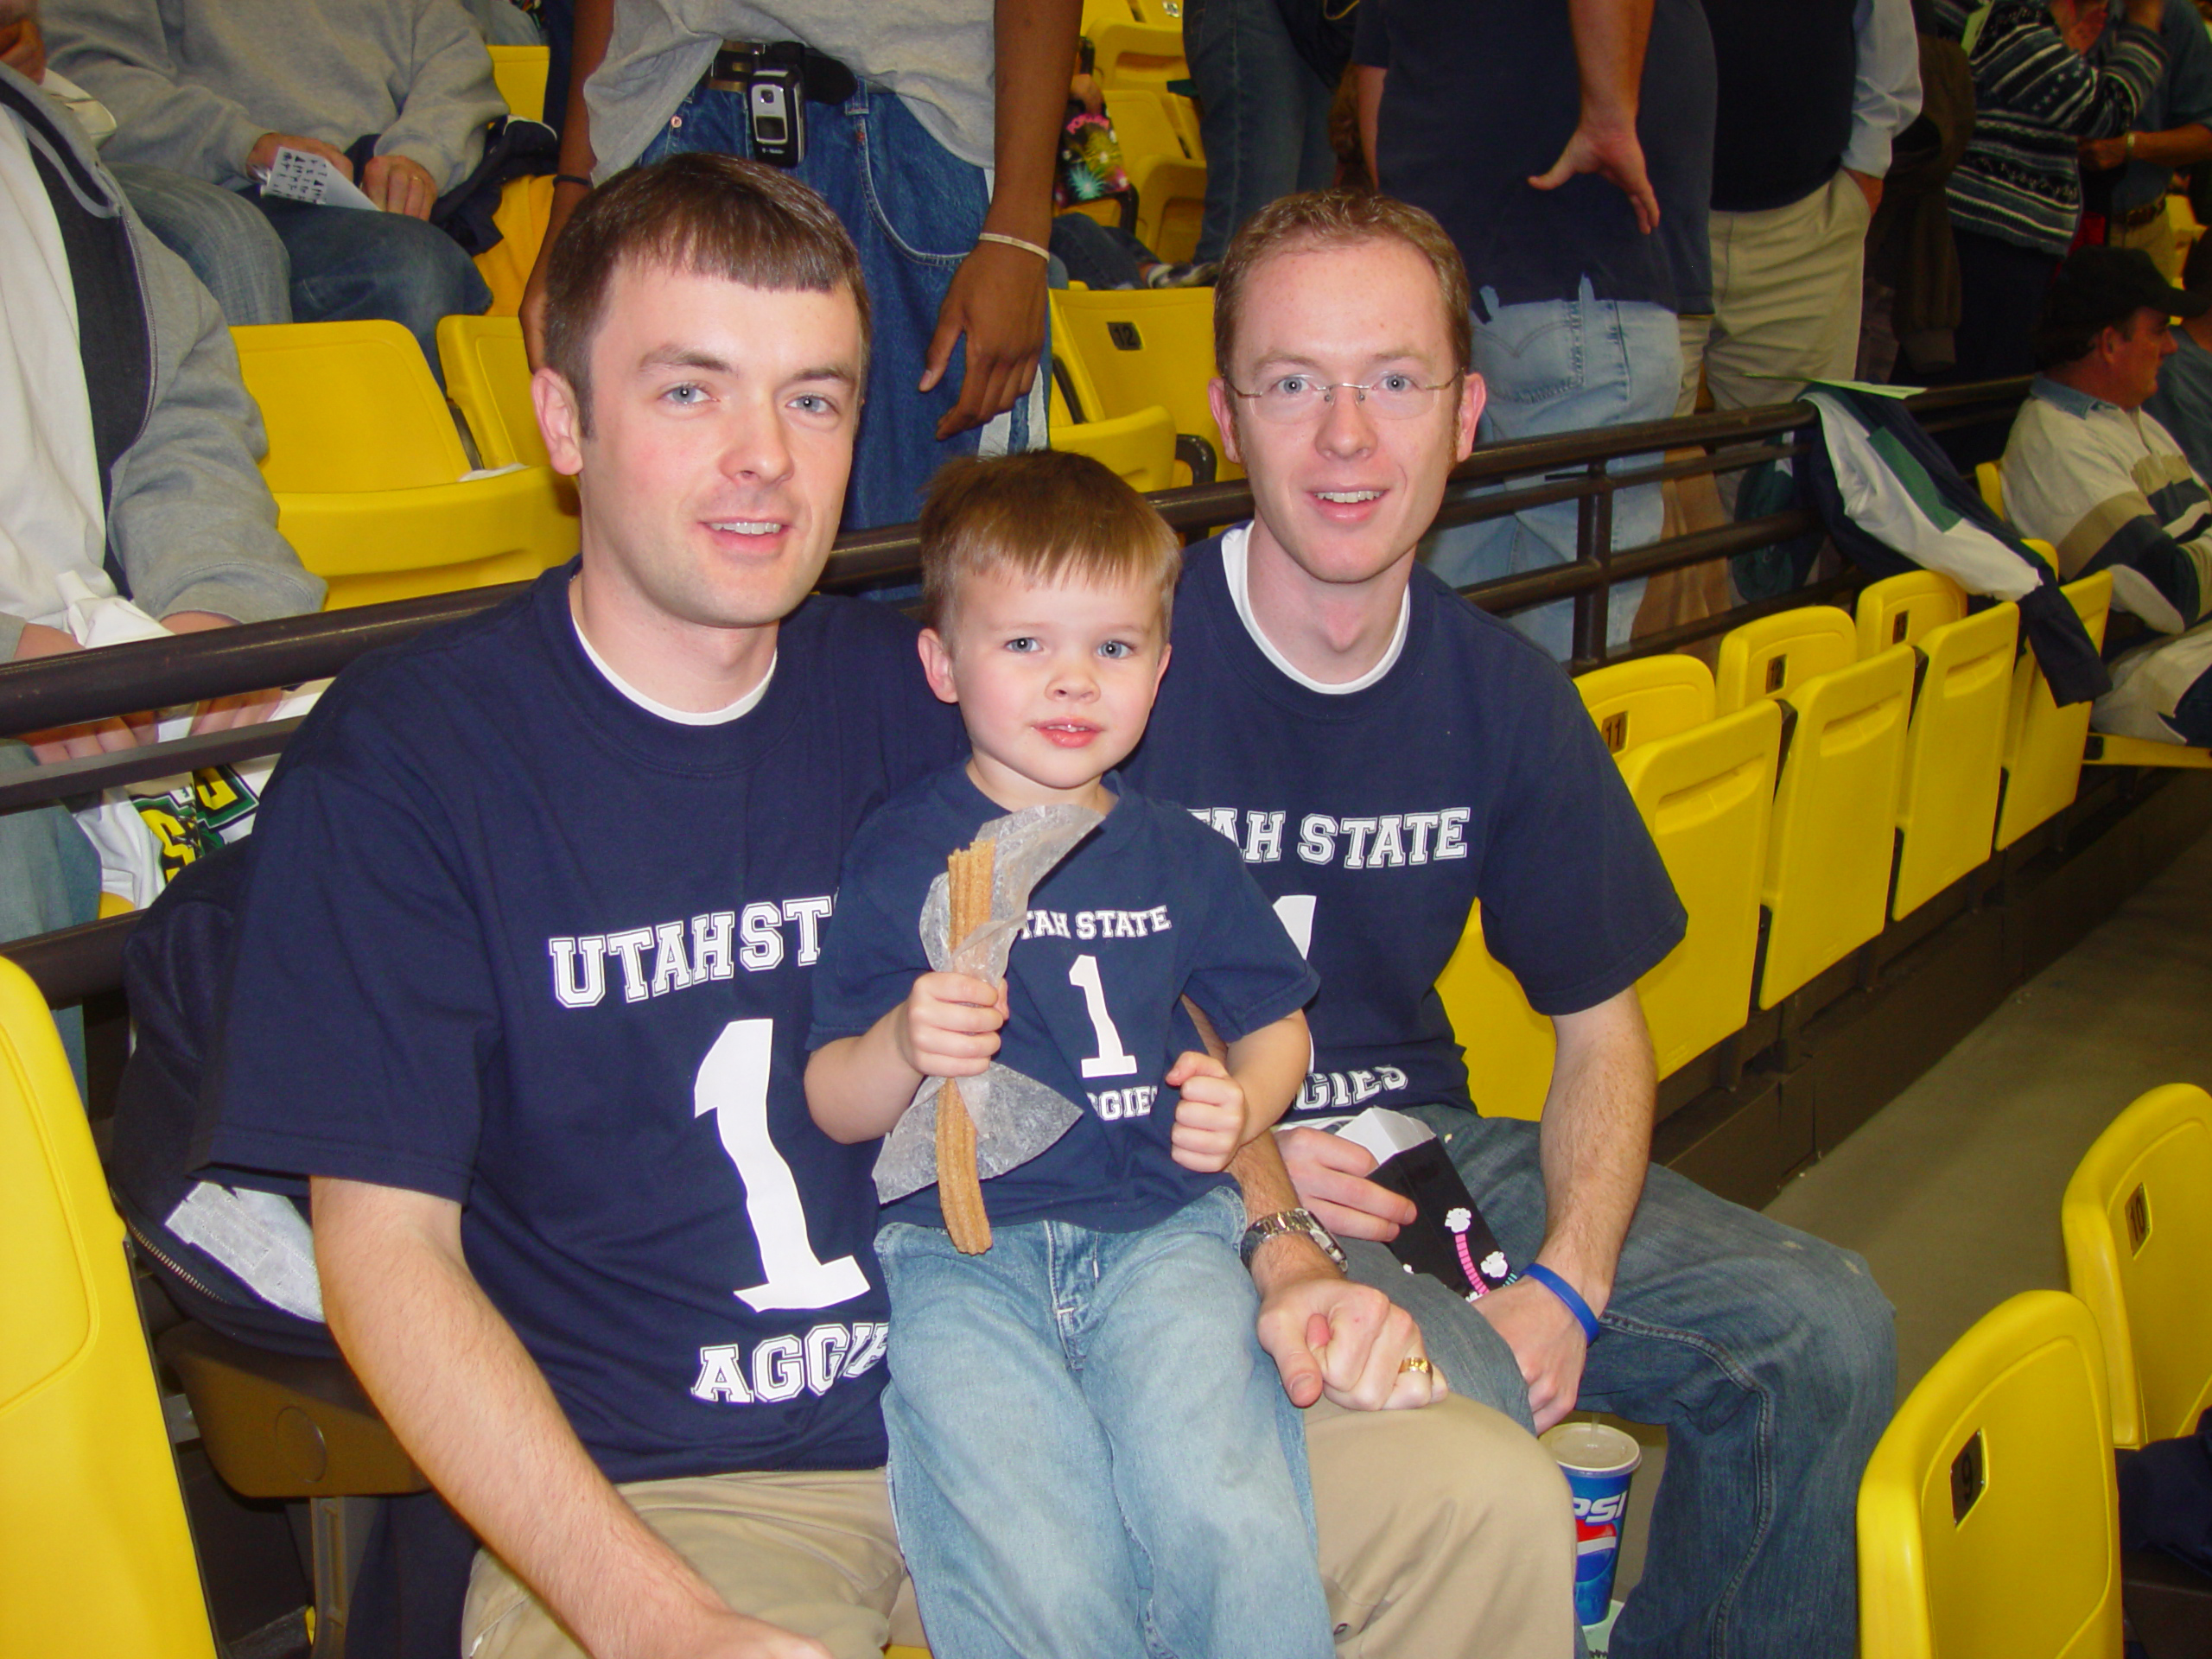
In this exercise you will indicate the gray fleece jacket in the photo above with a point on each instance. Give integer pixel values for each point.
(193, 84)
(190, 524)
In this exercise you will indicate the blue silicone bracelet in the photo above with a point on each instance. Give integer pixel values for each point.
(1567, 1294)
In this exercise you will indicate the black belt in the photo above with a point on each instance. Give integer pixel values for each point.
(822, 78)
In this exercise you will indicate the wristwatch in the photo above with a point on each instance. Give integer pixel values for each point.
(1290, 1221)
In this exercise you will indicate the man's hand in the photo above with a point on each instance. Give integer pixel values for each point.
(950, 1027)
(85, 742)
(1210, 1116)
(1330, 1172)
(262, 155)
(1869, 185)
(1329, 1336)
(22, 48)
(997, 300)
(2103, 155)
(399, 185)
(1546, 1342)
(1614, 151)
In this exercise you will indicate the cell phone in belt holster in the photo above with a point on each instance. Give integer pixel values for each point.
(775, 104)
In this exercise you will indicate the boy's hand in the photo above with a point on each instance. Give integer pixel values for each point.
(1210, 1116)
(951, 1028)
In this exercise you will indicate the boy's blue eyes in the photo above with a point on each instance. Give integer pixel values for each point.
(1114, 649)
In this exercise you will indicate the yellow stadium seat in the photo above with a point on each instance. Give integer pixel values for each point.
(1648, 698)
(525, 208)
(1899, 610)
(1767, 657)
(1509, 1046)
(1139, 448)
(2138, 1221)
(96, 1556)
(519, 74)
(488, 375)
(2110, 749)
(1128, 350)
(1991, 482)
(1827, 890)
(1165, 170)
(2043, 742)
(1707, 797)
(1954, 754)
(1138, 56)
(367, 469)
(1988, 1520)
(906, 1653)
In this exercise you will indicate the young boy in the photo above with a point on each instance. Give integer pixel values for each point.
(1090, 1452)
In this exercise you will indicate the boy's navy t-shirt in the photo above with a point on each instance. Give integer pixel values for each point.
(1149, 908)
(516, 942)
(1374, 819)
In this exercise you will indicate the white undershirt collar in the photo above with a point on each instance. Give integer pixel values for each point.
(1234, 547)
(744, 705)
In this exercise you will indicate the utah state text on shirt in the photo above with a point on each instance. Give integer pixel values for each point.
(763, 933)
(1387, 841)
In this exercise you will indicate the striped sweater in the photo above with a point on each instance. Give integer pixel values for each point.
(2035, 96)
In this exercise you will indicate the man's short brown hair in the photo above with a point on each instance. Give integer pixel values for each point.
(710, 215)
(1049, 516)
(1339, 219)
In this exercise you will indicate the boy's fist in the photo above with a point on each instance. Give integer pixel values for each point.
(1210, 1116)
(951, 1025)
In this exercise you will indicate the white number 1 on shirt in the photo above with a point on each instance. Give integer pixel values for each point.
(1111, 1060)
(732, 1085)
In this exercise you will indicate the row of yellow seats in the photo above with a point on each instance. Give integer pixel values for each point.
(1165, 162)
(1988, 1519)
(1918, 738)
(1136, 44)
(1130, 370)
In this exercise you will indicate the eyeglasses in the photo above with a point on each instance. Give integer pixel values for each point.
(1294, 398)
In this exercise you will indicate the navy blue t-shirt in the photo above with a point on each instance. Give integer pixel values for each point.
(1481, 98)
(1148, 909)
(1375, 819)
(516, 942)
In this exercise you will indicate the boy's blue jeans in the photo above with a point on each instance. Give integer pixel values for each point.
(1090, 1452)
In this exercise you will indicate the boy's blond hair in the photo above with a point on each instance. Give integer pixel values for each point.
(1047, 516)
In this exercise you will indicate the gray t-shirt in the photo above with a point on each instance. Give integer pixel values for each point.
(938, 55)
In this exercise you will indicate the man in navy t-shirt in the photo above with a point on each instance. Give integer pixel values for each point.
(1385, 755)
(523, 984)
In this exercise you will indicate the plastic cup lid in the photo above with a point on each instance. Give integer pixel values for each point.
(1592, 1448)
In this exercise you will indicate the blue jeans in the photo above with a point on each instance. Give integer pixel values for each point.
(914, 209)
(1263, 114)
(1768, 1354)
(1565, 365)
(50, 879)
(349, 263)
(1090, 1454)
(229, 245)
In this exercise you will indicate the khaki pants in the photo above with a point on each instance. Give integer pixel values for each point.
(1445, 1532)
(1786, 291)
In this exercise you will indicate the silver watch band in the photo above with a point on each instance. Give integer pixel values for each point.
(1289, 1221)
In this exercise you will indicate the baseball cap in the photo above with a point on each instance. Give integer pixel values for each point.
(2100, 286)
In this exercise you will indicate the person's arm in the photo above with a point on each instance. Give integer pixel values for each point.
(450, 96)
(1223, 1100)
(1609, 36)
(1367, 94)
(947, 1026)
(997, 296)
(117, 51)
(472, 1410)
(2182, 146)
(2038, 70)
(22, 48)
(594, 22)
(1885, 91)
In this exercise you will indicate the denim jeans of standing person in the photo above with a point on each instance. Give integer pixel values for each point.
(1555, 366)
(1769, 1355)
(349, 263)
(1089, 1452)
(1263, 114)
(231, 248)
(50, 879)
(914, 209)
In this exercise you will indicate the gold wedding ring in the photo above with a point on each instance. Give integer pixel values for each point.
(1415, 1363)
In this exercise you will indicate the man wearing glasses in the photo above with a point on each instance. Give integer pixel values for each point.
(1385, 756)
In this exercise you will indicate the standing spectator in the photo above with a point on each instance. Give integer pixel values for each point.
(1551, 152)
(2016, 195)
(2172, 129)
(2183, 404)
(1263, 111)
(213, 88)
(1810, 96)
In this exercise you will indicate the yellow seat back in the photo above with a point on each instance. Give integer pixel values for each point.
(95, 1555)
(1991, 482)
(1768, 656)
(1138, 56)
(1509, 1046)
(2138, 1221)
(519, 74)
(1166, 168)
(1128, 350)
(1828, 868)
(1648, 698)
(1953, 754)
(1989, 1521)
(525, 210)
(1900, 610)
(348, 406)
(2043, 742)
(1139, 448)
(1707, 797)
(488, 374)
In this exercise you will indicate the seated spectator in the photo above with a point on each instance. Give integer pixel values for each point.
(130, 465)
(2089, 471)
(2183, 402)
(395, 95)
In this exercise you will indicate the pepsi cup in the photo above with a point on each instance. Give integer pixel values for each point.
(1597, 1461)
